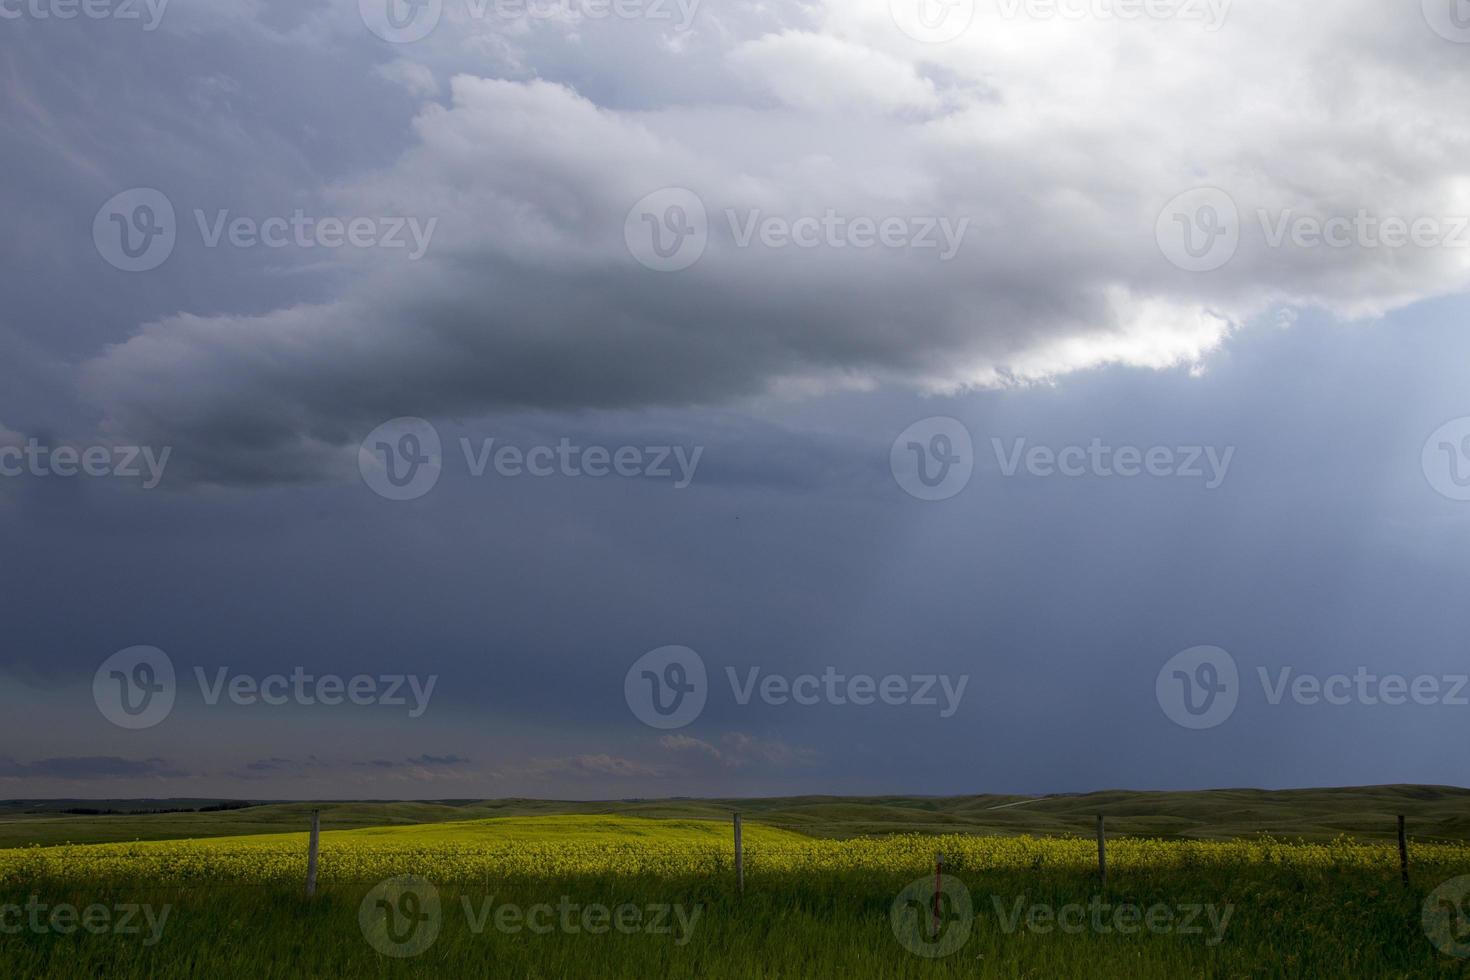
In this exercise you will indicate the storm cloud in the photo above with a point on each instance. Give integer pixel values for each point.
(1053, 145)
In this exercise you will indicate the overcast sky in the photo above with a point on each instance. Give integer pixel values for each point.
(1084, 389)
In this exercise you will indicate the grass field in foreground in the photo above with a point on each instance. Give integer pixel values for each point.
(626, 897)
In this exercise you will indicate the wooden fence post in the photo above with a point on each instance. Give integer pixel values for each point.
(316, 827)
(1403, 852)
(739, 859)
(1102, 853)
(938, 889)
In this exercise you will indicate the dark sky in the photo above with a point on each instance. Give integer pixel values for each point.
(1323, 534)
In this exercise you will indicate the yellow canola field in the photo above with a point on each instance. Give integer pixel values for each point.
(553, 847)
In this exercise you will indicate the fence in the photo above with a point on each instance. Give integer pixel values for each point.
(314, 846)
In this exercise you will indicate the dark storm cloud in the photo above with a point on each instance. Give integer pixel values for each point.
(1325, 548)
(528, 320)
(89, 767)
(270, 765)
(417, 762)
(438, 760)
(528, 297)
(737, 750)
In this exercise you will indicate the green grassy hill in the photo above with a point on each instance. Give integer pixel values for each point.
(553, 829)
(1434, 812)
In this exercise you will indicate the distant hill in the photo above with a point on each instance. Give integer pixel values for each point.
(1434, 813)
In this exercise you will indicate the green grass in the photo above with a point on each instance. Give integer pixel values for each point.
(813, 908)
(1441, 813)
(1307, 925)
(558, 829)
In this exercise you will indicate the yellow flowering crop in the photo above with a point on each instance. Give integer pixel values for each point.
(557, 847)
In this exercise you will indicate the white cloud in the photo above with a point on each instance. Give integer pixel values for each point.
(1057, 142)
(418, 79)
(586, 765)
(827, 74)
(737, 750)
